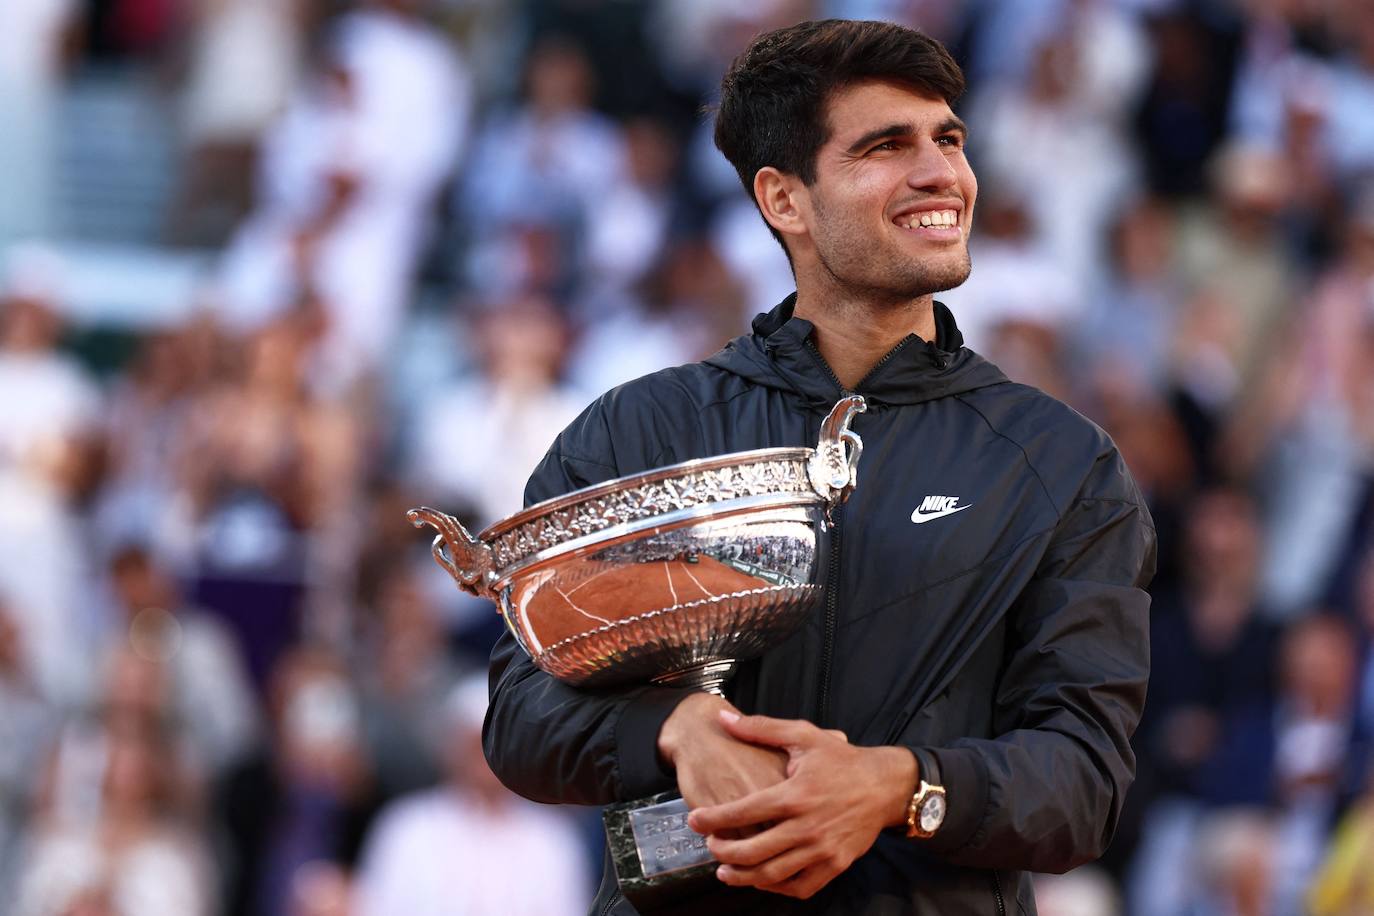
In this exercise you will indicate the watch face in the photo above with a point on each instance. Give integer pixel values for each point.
(932, 813)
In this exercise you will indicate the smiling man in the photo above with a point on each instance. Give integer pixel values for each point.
(959, 712)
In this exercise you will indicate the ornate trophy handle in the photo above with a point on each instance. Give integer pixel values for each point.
(470, 563)
(834, 467)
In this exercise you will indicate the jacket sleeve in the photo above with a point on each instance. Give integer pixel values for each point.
(1046, 794)
(554, 743)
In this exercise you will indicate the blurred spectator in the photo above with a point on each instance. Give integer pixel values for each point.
(1085, 891)
(1131, 322)
(1019, 287)
(742, 243)
(271, 473)
(1182, 114)
(243, 56)
(1343, 886)
(695, 40)
(208, 686)
(406, 675)
(1313, 743)
(1207, 391)
(1080, 82)
(682, 311)
(1004, 35)
(344, 208)
(1236, 252)
(1148, 433)
(627, 69)
(119, 831)
(545, 163)
(147, 431)
(476, 441)
(429, 853)
(1205, 739)
(1235, 865)
(1212, 661)
(307, 803)
(1309, 425)
(1349, 130)
(629, 225)
(47, 436)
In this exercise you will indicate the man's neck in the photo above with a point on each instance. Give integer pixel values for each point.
(853, 336)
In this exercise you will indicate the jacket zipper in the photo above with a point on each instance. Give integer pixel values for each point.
(844, 392)
(820, 361)
(997, 892)
(886, 357)
(832, 591)
(832, 602)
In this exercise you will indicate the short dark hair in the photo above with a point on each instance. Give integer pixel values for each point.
(773, 97)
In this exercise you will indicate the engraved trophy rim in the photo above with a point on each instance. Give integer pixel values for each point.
(822, 475)
(629, 531)
(633, 481)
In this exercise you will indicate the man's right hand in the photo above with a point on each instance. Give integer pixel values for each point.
(712, 765)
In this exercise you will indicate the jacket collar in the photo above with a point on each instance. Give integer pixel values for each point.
(781, 354)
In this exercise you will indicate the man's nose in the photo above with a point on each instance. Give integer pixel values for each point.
(932, 169)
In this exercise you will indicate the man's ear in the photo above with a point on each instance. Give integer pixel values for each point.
(782, 200)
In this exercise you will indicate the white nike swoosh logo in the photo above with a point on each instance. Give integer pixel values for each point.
(920, 517)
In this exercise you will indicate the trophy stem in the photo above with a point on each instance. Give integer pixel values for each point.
(706, 676)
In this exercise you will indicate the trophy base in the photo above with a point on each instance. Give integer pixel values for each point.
(658, 859)
(708, 677)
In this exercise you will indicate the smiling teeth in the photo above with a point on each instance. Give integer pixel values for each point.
(932, 218)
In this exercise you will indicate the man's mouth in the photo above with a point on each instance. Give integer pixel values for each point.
(928, 219)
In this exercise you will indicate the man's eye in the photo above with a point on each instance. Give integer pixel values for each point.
(953, 141)
(885, 146)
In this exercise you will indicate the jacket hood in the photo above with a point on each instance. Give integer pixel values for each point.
(780, 354)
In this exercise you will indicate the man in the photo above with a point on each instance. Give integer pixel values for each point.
(985, 627)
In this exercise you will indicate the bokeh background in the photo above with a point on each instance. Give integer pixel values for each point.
(272, 271)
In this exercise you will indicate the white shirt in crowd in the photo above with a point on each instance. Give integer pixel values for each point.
(440, 853)
(396, 131)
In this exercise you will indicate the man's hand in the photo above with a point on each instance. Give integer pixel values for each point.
(712, 765)
(826, 814)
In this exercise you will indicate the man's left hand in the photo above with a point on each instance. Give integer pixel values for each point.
(823, 816)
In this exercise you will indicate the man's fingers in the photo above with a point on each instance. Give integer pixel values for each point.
(775, 871)
(767, 730)
(804, 884)
(756, 849)
(771, 804)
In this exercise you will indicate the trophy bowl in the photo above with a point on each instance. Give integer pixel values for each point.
(671, 575)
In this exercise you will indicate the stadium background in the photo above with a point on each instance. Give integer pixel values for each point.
(275, 270)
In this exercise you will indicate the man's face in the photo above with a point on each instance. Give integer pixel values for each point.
(892, 203)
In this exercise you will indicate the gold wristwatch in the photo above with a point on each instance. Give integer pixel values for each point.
(926, 810)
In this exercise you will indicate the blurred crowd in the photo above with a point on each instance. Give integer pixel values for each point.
(231, 678)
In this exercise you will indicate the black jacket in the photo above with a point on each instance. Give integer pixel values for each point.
(1008, 640)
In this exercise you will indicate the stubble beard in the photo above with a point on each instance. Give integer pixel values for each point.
(882, 276)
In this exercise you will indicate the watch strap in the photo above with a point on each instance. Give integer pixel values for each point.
(928, 767)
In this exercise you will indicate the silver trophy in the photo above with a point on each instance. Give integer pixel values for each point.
(671, 576)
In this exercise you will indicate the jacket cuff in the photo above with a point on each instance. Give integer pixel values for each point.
(965, 778)
(642, 770)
